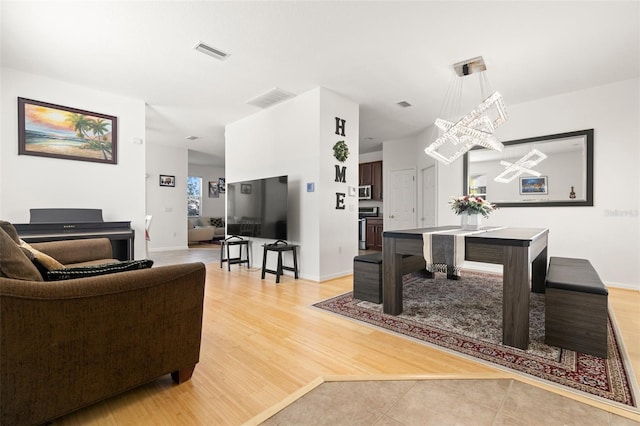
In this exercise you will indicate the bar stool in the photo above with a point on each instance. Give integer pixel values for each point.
(279, 247)
(234, 240)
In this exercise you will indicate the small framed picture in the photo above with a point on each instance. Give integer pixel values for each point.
(166, 180)
(221, 185)
(533, 185)
(214, 191)
(245, 188)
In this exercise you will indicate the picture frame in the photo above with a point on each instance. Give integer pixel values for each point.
(221, 185)
(533, 185)
(167, 180)
(56, 131)
(214, 190)
(245, 188)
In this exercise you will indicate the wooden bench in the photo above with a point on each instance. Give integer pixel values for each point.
(576, 300)
(367, 274)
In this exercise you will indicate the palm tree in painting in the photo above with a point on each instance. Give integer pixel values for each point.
(80, 124)
(100, 127)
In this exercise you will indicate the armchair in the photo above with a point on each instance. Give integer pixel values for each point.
(68, 344)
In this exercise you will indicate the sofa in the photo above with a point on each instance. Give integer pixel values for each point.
(69, 343)
(205, 229)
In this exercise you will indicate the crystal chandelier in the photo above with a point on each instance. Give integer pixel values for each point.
(523, 165)
(475, 127)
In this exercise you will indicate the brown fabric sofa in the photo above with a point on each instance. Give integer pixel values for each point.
(67, 344)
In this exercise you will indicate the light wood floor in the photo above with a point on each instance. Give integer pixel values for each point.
(263, 344)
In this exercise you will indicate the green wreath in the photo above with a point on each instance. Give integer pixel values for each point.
(340, 151)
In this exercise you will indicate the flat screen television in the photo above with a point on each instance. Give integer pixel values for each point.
(258, 208)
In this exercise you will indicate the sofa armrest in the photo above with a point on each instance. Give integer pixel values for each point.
(76, 251)
(68, 344)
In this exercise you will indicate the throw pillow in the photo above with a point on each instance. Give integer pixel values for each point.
(14, 263)
(48, 262)
(218, 222)
(91, 271)
(10, 230)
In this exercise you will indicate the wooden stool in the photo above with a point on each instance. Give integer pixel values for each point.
(234, 240)
(279, 247)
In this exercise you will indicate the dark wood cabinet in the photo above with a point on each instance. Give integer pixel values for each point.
(371, 174)
(364, 174)
(374, 234)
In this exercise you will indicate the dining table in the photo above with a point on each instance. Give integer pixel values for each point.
(522, 252)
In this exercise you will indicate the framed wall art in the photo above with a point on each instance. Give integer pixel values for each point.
(533, 185)
(214, 191)
(56, 131)
(166, 180)
(245, 188)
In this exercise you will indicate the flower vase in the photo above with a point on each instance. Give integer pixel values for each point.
(471, 222)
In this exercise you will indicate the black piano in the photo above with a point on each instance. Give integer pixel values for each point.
(71, 224)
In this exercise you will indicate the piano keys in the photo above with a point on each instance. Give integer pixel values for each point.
(70, 224)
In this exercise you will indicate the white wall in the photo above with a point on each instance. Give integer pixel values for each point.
(39, 182)
(211, 207)
(295, 138)
(609, 232)
(167, 205)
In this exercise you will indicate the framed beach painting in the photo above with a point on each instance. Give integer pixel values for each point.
(56, 131)
(533, 185)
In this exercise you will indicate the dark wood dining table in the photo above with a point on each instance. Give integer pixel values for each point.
(516, 249)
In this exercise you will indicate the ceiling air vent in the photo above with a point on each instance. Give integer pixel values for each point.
(270, 98)
(211, 51)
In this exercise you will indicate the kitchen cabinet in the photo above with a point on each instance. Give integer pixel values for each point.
(371, 174)
(374, 233)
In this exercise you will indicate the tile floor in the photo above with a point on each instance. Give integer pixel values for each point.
(438, 402)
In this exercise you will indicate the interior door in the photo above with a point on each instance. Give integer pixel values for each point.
(428, 216)
(400, 200)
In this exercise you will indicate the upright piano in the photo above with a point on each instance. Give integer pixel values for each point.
(70, 224)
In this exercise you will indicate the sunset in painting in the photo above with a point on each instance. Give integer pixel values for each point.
(52, 130)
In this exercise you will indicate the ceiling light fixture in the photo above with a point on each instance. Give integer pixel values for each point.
(474, 128)
(192, 138)
(404, 104)
(523, 165)
(211, 51)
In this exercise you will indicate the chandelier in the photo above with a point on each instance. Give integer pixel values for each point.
(457, 136)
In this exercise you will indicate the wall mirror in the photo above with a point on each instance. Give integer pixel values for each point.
(554, 170)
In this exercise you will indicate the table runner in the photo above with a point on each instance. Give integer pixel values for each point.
(444, 250)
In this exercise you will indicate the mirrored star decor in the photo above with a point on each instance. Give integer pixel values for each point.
(474, 128)
(520, 167)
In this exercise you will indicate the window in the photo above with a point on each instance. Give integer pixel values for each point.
(194, 196)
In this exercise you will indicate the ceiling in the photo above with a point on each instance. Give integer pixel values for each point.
(374, 53)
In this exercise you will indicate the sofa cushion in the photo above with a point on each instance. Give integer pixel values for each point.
(218, 222)
(14, 262)
(90, 271)
(48, 262)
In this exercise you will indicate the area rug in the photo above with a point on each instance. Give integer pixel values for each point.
(465, 316)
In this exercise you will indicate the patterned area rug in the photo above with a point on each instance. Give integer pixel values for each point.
(465, 316)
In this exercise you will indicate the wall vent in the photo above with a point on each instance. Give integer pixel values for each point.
(270, 98)
(211, 51)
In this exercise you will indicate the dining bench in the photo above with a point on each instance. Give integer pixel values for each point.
(576, 307)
